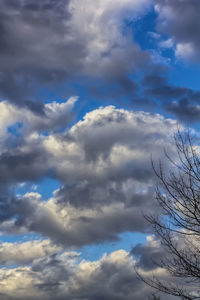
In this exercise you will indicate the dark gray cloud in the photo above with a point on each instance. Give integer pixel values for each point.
(159, 88)
(182, 102)
(88, 195)
(69, 226)
(31, 49)
(154, 80)
(180, 19)
(185, 109)
(44, 45)
(54, 271)
(148, 256)
(154, 256)
(7, 201)
(16, 166)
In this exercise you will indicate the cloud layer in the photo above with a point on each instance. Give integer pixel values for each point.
(63, 277)
(119, 51)
(103, 164)
(49, 43)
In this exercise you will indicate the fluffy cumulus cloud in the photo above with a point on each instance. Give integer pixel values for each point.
(103, 163)
(58, 274)
(26, 252)
(64, 276)
(22, 155)
(109, 144)
(54, 116)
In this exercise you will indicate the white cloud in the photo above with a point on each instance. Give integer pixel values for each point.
(106, 142)
(100, 23)
(26, 252)
(55, 115)
(167, 44)
(185, 51)
(74, 280)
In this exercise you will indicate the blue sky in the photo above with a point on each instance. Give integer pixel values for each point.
(89, 91)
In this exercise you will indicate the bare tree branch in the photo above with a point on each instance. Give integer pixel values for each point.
(178, 227)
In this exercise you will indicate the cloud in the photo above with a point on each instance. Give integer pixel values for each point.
(182, 102)
(15, 165)
(21, 133)
(44, 45)
(167, 44)
(163, 90)
(103, 163)
(185, 109)
(185, 51)
(149, 255)
(109, 143)
(25, 282)
(74, 226)
(180, 19)
(153, 258)
(55, 116)
(63, 277)
(25, 252)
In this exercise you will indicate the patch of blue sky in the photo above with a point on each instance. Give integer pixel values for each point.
(127, 241)
(186, 75)
(45, 187)
(15, 129)
(144, 30)
(21, 238)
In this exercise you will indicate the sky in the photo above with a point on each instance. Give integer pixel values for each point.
(90, 90)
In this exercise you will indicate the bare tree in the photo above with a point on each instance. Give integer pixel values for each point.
(178, 226)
